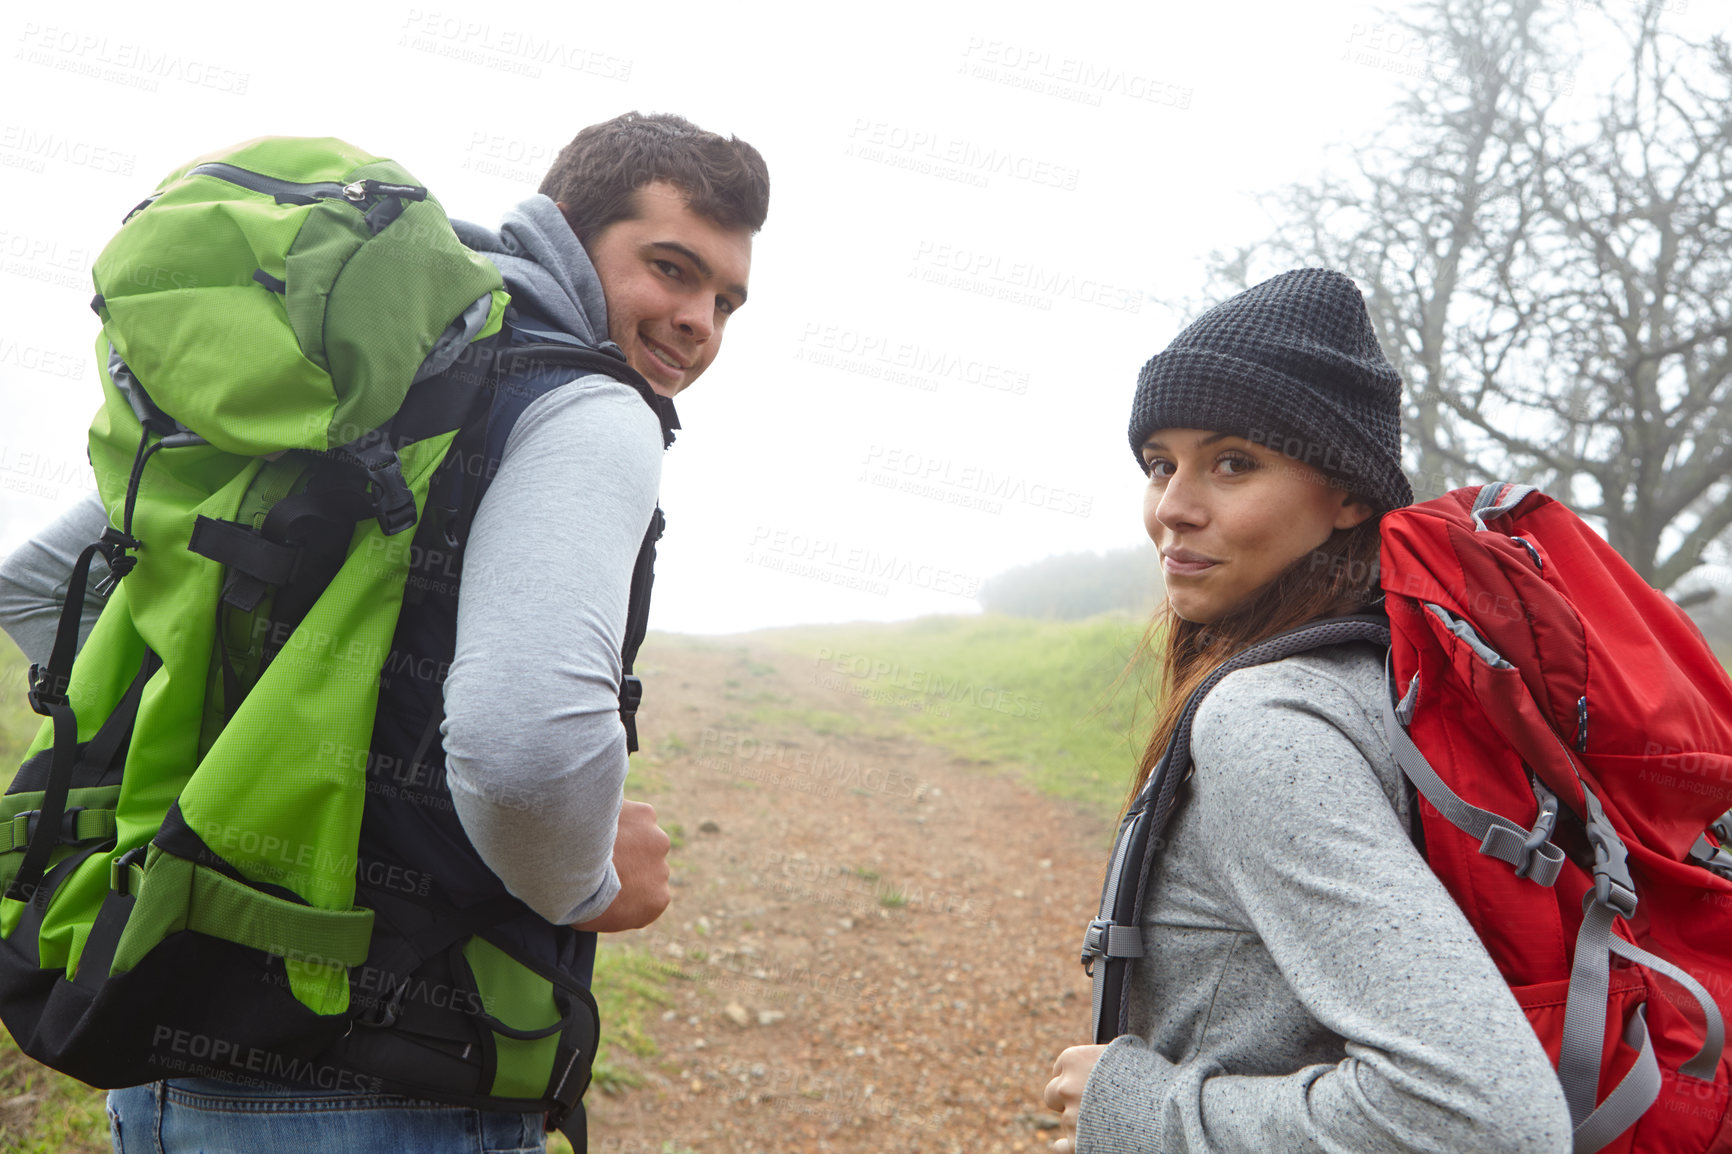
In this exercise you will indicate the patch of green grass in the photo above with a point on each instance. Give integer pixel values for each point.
(629, 985)
(893, 899)
(18, 725)
(802, 720)
(43, 1112)
(643, 776)
(1047, 697)
(757, 668)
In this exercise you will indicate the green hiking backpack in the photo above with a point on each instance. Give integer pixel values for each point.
(277, 322)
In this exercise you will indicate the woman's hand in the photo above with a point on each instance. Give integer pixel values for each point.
(1070, 1073)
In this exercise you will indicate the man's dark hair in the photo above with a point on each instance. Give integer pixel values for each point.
(597, 175)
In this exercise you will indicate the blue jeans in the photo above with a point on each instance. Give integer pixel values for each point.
(205, 1116)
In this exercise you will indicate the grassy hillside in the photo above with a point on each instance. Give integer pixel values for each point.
(1049, 697)
(17, 724)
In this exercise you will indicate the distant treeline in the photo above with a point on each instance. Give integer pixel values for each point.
(1077, 585)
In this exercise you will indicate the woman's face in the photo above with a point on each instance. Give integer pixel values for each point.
(1229, 516)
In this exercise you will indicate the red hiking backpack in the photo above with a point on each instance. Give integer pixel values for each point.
(1570, 735)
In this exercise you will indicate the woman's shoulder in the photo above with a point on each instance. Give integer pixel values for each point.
(1336, 679)
(1321, 708)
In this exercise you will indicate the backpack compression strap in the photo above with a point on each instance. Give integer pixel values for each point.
(1115, 939)
(48, 685)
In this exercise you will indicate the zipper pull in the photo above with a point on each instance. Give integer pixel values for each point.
(360, 190)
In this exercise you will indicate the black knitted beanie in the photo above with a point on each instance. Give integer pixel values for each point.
(1291, 364)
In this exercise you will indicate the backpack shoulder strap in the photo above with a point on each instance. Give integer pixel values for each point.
(537, 349)
(523, 349)
(636, 625)
(1114, 940)
(547, 348)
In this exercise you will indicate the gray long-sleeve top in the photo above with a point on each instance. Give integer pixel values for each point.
(534, 746)
(1309, 984)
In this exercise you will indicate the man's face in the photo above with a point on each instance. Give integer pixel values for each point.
(672, 279)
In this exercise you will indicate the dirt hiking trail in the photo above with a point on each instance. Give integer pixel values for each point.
(878, 940)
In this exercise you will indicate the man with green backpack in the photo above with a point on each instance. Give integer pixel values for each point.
(310, 843)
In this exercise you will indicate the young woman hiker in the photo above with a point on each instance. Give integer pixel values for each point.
(1307, 982)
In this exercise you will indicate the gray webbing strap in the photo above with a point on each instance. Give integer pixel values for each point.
(1614, 896)
(1585, 1011)
(1496, 499)
(1110, 941)
(1530, 851)
(1629, 1101)
(1707, 1060)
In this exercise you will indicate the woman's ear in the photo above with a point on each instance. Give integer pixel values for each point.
(1353, 512)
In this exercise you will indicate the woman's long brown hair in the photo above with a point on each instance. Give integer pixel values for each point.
(1338, 577)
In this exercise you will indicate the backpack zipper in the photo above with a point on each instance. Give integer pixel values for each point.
(270, 185)
(360, 190)
(357, 192)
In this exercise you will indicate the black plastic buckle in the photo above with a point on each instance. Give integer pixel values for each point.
(630, 695)
(68, 824)
(120, 870)
(46, 692)
(396, 518)
(394, 503)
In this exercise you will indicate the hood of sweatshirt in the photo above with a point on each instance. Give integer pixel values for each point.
(546, 270)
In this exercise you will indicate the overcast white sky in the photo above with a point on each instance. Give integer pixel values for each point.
(974, 211)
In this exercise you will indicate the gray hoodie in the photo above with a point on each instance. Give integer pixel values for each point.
(544, 266)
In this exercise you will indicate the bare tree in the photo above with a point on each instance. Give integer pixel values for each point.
(1554, 291)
